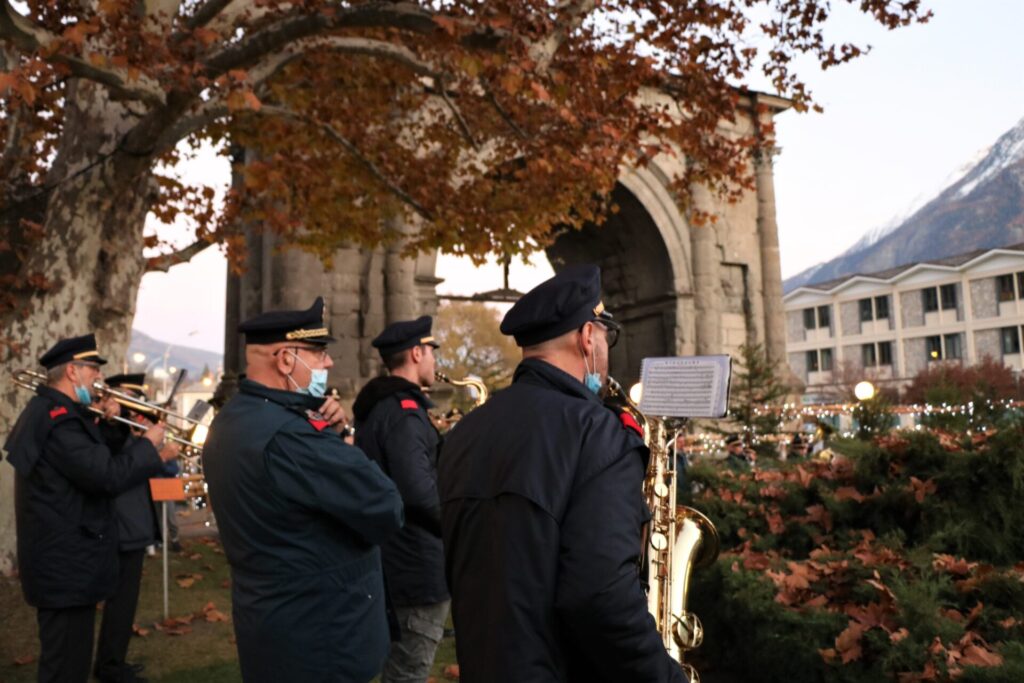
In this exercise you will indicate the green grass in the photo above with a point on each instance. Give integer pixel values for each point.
(206, 654)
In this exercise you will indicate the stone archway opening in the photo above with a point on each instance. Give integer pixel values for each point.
(637, 278)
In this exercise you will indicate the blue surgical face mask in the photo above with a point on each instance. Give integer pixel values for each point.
(317, 380)
(82, 394)
(591, 380)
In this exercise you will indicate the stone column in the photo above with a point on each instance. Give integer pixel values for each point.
(706, 278)
(771, 266)
(401, 300)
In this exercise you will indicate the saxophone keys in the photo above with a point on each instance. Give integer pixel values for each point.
(659, 541)
(661, 490)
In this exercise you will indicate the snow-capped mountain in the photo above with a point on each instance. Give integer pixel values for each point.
(981, 206)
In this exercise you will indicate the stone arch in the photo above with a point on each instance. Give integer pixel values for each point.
(644, 253)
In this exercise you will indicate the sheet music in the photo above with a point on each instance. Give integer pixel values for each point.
(686, 386)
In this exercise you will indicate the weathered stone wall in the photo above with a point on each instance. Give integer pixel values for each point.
(911, 309)
(795, 331)
(914, 359)
(852, 357)
(984, 303)
(798, 364)
(988, 343)
(849, 316)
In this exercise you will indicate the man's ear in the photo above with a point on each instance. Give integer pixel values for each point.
(587, 337)
(285, 361)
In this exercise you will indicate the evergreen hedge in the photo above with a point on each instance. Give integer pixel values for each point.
(898, 560)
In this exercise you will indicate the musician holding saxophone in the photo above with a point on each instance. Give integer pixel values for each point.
(66, 479)
(394, 429)
(542, 509)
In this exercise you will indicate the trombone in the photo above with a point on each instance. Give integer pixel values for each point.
(192, 437)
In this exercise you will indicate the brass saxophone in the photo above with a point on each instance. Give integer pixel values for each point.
(481, 388)
(679, 539)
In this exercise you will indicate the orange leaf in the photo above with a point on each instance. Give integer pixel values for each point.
(977, 656)
(849, 493)
(452, 672)
(24, 659)
(848, 642)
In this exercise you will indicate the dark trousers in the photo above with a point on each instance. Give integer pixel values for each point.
(65, 639)
(118, 617)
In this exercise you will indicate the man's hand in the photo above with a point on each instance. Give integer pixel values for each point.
(170, 451)
(156, 435)
(334, 414)
(109, 406)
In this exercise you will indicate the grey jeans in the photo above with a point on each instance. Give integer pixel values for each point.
(410, 659)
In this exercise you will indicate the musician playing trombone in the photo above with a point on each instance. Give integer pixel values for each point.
(66, 479)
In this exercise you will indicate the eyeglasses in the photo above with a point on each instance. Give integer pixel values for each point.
(611, 333)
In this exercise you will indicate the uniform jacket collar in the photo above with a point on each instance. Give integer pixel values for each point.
(283, 397)
(542, 373)
(379, 388)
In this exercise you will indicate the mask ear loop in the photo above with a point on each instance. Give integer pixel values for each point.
(289, 375)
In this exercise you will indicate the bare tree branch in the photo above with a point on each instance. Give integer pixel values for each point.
(277, 36)
(206, 13)
(271, 64)
(505, 117)
(164, 262)
(457, 113)
(375, 171)
(543, 51)
(26, 36)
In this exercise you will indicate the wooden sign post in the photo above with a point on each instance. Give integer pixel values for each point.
(166, 491)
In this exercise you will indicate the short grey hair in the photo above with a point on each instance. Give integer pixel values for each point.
(54, 374)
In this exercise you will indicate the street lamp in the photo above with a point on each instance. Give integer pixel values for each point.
(138, 358)
(864, 391)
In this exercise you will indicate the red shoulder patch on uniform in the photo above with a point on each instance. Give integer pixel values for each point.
(629, 422)
(317, 420)
(57, 412)
(410, 404)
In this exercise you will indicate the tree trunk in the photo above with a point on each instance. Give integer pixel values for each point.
(90, 254)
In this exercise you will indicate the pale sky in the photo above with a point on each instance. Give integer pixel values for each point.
(897, 123)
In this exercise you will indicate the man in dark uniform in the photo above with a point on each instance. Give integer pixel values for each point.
(542, 510)
(137, 528)
(66, 480)
(394, 429)
(300, 512)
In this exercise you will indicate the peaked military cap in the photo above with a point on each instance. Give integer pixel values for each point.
(559, 304)
(278, 326)
(136, 381)
(74, 349)
(403, 335)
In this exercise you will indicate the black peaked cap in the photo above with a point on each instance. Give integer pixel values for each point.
(279, 326)
(134, 380)
(559, 304)
(76, 348)
(403, 335)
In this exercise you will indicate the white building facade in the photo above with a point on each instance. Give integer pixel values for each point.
(888, 326)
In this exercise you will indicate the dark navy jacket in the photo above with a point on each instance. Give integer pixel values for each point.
(301, 514)
(394, 429)
(136, 518)
(542, 513)
(66, 479)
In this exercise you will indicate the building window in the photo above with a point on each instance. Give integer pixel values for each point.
(933, 346)
(1010, 340)
(819, 361)
(824, 316)
(948, 295)
(885, 353)
(867, 354)
(931, 299)
(881, 307)
(866, 315)
(1004, 287)
(812, 361)
(953, 349)
(809, 320)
